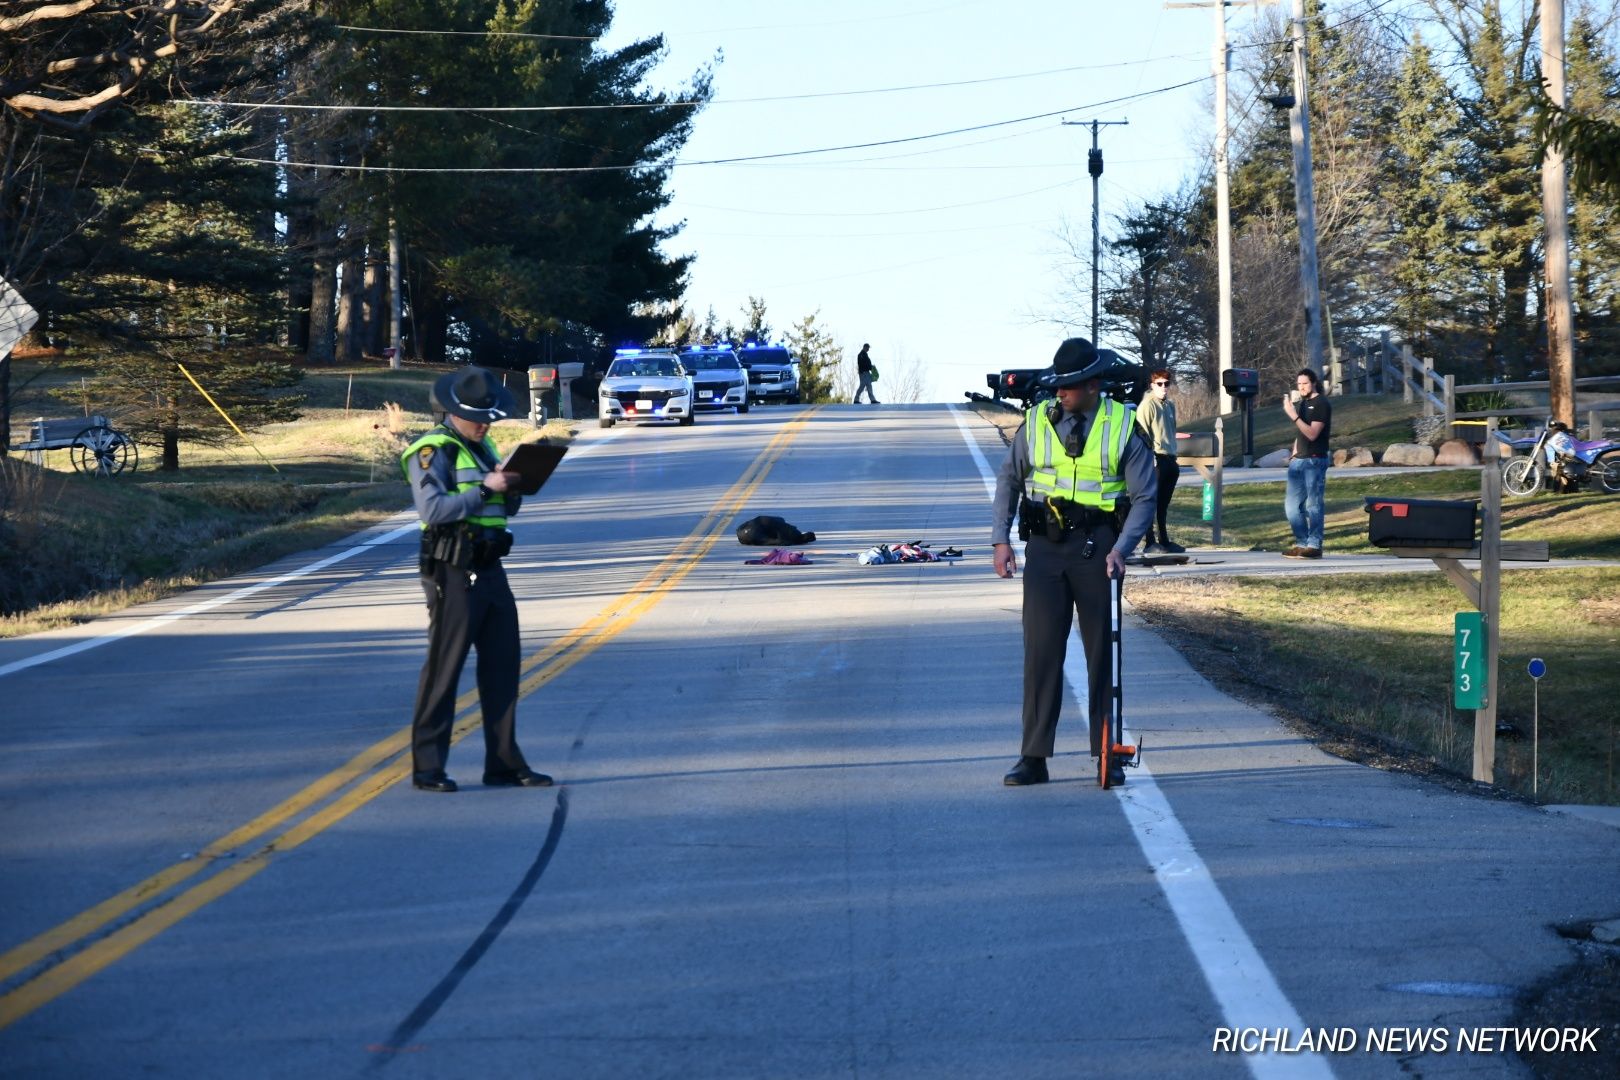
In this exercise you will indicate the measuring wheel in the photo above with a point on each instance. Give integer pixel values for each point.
(103, 452)
(1115, 750)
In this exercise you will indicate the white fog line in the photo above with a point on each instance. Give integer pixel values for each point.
(153, 623)
(989, 474)
(1237, 976)
(1243, 986)
(207, 605)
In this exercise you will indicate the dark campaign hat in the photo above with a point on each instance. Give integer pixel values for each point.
(1075, 362)
(473, 394)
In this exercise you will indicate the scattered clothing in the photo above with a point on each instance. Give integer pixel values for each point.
(901, 553)
(780, 557)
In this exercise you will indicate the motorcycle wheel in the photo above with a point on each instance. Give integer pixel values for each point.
(1606, 471)
(1523, 476)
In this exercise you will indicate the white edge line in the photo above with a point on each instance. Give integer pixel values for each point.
(196, 609)
(1242, 984)
(240, 594)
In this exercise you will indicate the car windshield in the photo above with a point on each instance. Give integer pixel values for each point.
(767, 357)
(711, 362)
(645, 367)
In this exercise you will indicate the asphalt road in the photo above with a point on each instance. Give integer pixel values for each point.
(780, 845)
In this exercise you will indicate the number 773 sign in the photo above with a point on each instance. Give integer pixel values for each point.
(1468, 661)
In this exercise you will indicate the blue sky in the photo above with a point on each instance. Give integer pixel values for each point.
(946, 251)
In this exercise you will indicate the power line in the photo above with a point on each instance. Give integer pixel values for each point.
(331, 167)
(314, 107)
(468, 33)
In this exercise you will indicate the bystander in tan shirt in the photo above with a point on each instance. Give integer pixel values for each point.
(1157, 419)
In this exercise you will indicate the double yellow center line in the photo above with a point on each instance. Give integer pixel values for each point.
(70, 953)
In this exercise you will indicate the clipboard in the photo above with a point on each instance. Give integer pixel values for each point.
(534, 463)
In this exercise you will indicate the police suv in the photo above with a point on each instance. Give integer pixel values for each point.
(773, 374)
(646, 384)
(719, 380)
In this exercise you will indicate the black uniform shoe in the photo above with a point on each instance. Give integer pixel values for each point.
(1029, 770)
(1173, 548)
(520, 778)
(432, 781)
(1116, 773)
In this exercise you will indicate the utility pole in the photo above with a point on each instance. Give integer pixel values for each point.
(1223, 187)
(1223, 199)
(396, 302)
(1299, 128)
(1555, 213)
(1094, 166)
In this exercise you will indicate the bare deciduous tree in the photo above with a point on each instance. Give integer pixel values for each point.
(72, 60)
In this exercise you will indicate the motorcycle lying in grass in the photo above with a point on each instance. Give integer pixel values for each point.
(1558, 461)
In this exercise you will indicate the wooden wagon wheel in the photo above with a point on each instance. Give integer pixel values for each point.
(103, 451)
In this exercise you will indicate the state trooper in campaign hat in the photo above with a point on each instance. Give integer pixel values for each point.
(465, 499)
(1070, 472)
(1076, 361)
(473, 394)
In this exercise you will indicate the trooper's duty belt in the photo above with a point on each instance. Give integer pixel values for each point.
(464, 547)
(1056, 518)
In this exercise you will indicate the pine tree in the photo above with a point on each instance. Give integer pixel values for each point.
(1154, 299)
(1427, 206)
(180, 274)
(754, 325)
(499, 260)
(819, 356)
(1593, 86)
(1496, 93)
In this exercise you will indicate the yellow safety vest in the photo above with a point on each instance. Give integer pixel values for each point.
(469, 473)
(1092, 479)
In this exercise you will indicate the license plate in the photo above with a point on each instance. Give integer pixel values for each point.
(705, 395)
(644, 404)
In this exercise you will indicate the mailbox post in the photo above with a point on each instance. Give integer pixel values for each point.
(542, 392)
(1207, 454)
(566, 374)
(1444, 531)
(1242, 385)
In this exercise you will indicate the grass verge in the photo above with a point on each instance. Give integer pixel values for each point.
(144, 535)
(1364, 662)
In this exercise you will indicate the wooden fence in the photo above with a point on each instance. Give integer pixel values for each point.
(1386, 369)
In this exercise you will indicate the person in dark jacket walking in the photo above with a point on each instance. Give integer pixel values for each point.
(464, 500)
(864, 369)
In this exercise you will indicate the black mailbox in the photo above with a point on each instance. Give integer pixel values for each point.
(1441, 523)
(543, 377)
(1198, 444)
(1241, 382)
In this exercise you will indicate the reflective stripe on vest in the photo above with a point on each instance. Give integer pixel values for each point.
(469, 473)
(1092, 479)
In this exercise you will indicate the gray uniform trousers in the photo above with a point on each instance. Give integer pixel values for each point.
(463, 617)
(1059, 585)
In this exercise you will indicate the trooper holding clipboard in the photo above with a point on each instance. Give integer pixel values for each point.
(464, 495)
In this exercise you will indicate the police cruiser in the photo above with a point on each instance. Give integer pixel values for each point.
(646, 384)
(719, 379)
(773, 374)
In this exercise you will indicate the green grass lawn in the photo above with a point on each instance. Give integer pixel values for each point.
(145, 534)
(1371, 655)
